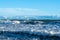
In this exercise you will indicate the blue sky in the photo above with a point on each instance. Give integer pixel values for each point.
(29, 7)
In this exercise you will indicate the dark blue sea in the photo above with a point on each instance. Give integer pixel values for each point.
(29, 30)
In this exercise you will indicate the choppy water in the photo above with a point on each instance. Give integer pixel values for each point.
(29, 30)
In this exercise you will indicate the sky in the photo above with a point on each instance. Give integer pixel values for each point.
(29, 7)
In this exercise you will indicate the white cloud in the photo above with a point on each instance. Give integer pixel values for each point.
(22, 11)
(19, 11)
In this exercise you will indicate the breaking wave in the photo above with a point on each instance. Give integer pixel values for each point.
(29, 29)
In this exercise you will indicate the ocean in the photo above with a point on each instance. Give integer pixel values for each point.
(29, 29)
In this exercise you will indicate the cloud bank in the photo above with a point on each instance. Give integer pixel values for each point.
(21, 11)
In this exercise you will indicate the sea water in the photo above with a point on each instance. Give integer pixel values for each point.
(29, 30)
